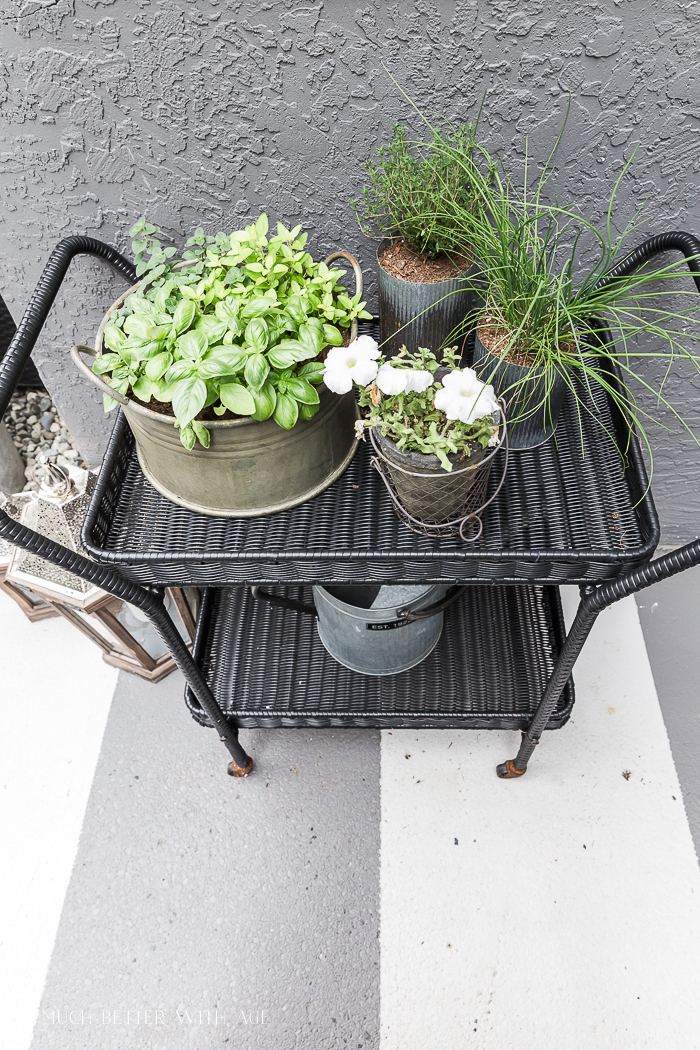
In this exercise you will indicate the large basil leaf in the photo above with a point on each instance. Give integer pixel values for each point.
(256, 334)
(193, 345)
(114, 338)
(311, 336)
(227, 310)
(213, 328)
(189, 396)
(295, 308)
(157, 366)
(144, 388)
(183, 316)
(222, 361)
(257, 307)
(302, 391)
(237, 399)
(265, 401)
(257, 369)
(105, 363)
(288, 352)
(312, 372)
(286, 411)
(179, 370)
(332, 336)
(138, 326)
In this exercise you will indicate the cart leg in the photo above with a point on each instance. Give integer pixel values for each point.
(580, 629)
(241, 764)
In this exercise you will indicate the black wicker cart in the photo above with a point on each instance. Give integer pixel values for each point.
(577, 510)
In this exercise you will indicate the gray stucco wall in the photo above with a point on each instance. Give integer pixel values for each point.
(200, 111)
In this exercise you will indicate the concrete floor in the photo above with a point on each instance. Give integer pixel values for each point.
(350, 895)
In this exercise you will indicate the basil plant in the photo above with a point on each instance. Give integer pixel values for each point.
(239, 328)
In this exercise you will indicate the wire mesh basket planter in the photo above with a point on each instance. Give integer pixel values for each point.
(454, 502)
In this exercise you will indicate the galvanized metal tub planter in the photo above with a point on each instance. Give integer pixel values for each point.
(426, 314)
(251, 467)
(532, 410)
(366, 628)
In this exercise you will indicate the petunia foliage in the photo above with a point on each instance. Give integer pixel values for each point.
(237, 325)
(423, 405)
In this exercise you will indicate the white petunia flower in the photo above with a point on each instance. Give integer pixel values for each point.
(345, 364)
(465, 397)
(391, 380)
(418, 381)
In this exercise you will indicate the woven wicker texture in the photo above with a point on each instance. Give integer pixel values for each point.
(267, 667)
(565, 514)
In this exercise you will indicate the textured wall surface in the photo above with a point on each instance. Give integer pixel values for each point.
(205, 111)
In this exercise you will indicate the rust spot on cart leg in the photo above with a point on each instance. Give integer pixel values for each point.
(234, 770)
(509, 771)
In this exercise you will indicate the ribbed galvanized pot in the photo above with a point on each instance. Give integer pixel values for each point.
(538, 400)
(423, 314)
(250, 468)
(424, 487)
(376, 640)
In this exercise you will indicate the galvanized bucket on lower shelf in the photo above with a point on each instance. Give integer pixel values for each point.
(416, 314)
(365, 627)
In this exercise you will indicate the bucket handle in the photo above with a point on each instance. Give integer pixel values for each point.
(75, 353)
(284, 603)
(359, 285)
(405, 614)
(431, 610)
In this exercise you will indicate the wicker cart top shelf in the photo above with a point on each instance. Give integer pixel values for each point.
(574, 510)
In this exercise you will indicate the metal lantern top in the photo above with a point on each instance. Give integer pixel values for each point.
(57, 511)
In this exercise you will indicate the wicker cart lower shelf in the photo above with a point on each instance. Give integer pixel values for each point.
(267, 667)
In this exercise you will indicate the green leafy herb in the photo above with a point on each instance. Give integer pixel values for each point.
(237, 325)
(409, 185)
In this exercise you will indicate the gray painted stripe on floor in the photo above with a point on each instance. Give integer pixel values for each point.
(194, 892)
(670, 616)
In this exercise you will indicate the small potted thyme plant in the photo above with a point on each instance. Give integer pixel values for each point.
(431, 421)
(423, 261)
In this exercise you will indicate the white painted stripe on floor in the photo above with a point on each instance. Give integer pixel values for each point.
(56, 693)
(560, 910)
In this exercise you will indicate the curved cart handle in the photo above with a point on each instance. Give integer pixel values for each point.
(676, 240)
(41, 302)
(684, 557)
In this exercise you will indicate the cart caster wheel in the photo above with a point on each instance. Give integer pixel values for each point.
(235, 770)
(507, 770)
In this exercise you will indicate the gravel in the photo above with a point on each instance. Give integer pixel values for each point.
(36, 428)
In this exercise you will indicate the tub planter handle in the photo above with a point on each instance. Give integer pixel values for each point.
(358, 281)
(432, 610)
(75, 353)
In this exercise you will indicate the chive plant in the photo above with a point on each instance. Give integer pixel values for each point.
(551, 300)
